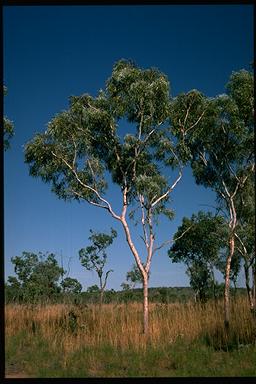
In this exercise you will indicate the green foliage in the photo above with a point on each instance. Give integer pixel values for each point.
(93, 289)
(71, 285)
(134, 276)
(223, 151)
(200, 240)
(94, 257)
(39, 279)
(86, 141)
(8, 127)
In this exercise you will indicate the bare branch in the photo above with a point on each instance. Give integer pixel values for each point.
(108, 206)
(75, 154)
(198, 120)
(145, 239)
(202, 157)
(106, 277)
(172, 240)
(168, 191)
(124, 210)
(151, 241)
(244, 252)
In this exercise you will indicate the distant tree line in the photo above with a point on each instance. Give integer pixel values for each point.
(40, 279)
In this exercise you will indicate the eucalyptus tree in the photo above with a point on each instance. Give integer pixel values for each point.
(90, 140)
(94, 256)
(222, 153)
(204, 237)
(8, 130)
(245, 236)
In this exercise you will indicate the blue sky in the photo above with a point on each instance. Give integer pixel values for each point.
(52, 52)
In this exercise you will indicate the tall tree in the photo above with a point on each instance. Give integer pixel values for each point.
(222, 153)
(245, 237)
(94, 257)
(8, 127)
(84, 143)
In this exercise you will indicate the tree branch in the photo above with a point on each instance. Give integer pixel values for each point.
(151, 241)
(172, 240)
(145, 239)
(198, 120)
(108, 206)
(168, 191)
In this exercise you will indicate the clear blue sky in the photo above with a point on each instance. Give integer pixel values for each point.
(52, 52)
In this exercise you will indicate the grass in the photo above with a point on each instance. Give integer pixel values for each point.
(184, 340)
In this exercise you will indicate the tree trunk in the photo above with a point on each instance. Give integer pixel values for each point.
(213, 285)
(143, 273)
(254, 286)
(227, 281)
(101, 291)
(145, 305)
(247, 283)
(101, 297)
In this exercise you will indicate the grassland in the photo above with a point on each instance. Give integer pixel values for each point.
(86, 341)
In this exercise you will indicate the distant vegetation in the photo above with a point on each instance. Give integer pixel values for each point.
(40, 280)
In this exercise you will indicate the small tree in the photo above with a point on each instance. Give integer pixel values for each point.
(134, 276)
(38, 276)
(201, 280)
(71, 285)
(197, 243)
(94, 257)
(8, 128)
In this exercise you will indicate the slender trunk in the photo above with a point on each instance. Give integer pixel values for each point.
(213, 285)
(101, 291)
(247, 283)
(254, 285)
(227, 281)
(101, 297)
(144, 274)
(145, 304)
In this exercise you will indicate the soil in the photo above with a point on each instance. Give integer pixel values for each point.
(18, 375)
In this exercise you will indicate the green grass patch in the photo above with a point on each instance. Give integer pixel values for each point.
(35, 356)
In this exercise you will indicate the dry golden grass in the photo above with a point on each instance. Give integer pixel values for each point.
(69, 328)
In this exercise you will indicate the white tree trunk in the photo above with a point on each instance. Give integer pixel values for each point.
(248, 287)
(227, 282)
(145, 304)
